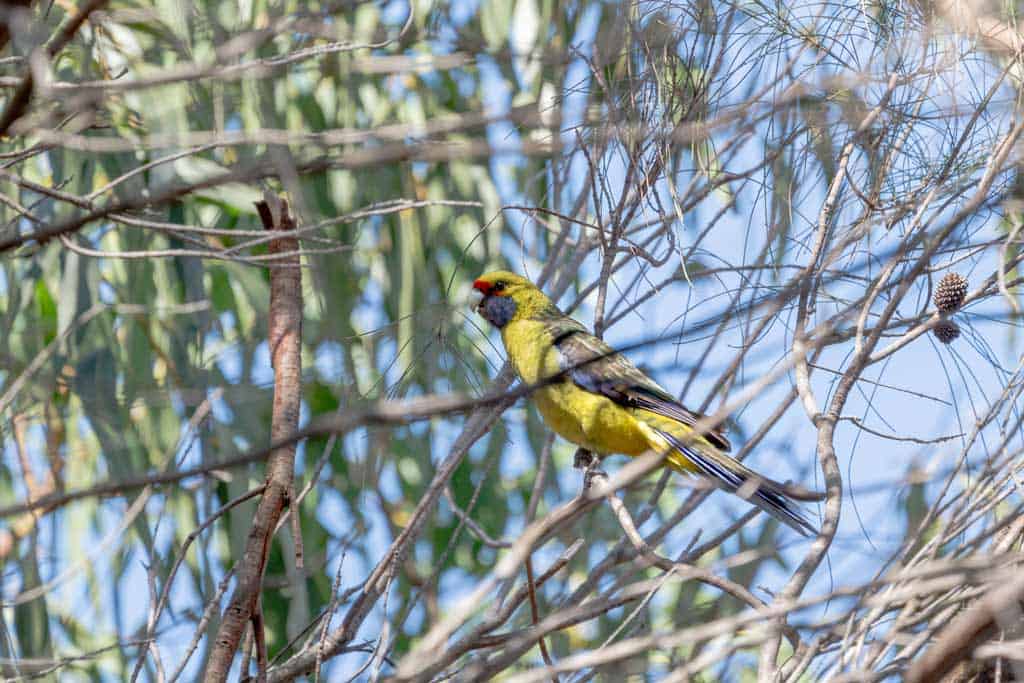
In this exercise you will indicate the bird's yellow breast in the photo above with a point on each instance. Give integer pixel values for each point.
(584, 418)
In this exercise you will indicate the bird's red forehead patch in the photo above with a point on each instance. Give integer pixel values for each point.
(483, 286)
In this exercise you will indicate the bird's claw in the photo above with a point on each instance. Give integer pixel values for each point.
(584, 459)
(591, 465)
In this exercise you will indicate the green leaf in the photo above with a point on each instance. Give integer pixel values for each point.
(46, 309)
(238, 197)
(495, 18)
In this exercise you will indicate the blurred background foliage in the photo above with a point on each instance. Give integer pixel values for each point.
(179, 335)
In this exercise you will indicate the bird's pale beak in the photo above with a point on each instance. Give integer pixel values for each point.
(477, 299)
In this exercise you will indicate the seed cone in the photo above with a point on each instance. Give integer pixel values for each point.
(946, 331)
(950, 293)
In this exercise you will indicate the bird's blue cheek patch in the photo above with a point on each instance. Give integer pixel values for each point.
(498, 310)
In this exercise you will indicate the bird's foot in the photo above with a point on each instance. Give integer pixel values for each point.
(584, 459)
(591, 465)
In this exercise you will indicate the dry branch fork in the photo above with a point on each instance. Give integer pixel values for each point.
(285, 337)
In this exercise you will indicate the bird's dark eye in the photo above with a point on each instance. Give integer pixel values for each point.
(499, 286)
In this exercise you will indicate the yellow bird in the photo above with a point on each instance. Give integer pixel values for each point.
(605, 404)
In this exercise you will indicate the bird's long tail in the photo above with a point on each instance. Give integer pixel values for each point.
(775, 498)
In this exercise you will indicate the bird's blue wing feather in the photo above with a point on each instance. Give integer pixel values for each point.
(595, 366)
